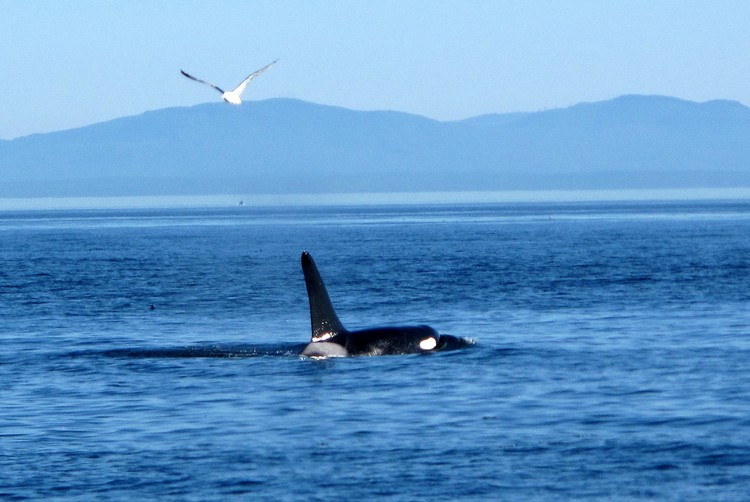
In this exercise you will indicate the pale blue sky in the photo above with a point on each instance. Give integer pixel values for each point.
(73, 63)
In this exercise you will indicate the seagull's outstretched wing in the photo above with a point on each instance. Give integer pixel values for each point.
(203, 81)
(238, 90)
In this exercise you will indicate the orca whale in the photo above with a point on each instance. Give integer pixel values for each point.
(331, 339)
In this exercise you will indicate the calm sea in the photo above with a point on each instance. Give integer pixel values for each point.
(612, 354)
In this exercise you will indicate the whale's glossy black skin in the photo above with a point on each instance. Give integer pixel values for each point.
(331, 339)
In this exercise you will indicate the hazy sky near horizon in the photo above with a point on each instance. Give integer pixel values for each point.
(69, 64)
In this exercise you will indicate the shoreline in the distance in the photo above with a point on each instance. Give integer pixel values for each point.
(357, 199)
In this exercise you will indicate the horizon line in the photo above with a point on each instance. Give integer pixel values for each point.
(373, 199)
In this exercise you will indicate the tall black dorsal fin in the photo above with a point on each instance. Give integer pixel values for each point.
(323, 319)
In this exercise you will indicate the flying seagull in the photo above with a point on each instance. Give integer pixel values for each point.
(232, 96)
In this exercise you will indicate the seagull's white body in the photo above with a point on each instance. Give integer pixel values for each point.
(233, 96)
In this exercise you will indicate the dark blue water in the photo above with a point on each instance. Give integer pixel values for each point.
(612, 354)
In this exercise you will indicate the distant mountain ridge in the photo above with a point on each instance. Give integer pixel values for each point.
(291, 146)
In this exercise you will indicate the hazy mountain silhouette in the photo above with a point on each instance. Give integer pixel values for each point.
(291, 146)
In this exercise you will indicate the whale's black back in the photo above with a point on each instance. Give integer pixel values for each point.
(330, 338)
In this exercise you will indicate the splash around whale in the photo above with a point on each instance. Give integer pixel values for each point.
(331, 339)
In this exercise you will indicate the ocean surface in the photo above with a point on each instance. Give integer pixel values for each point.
(152, 353)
